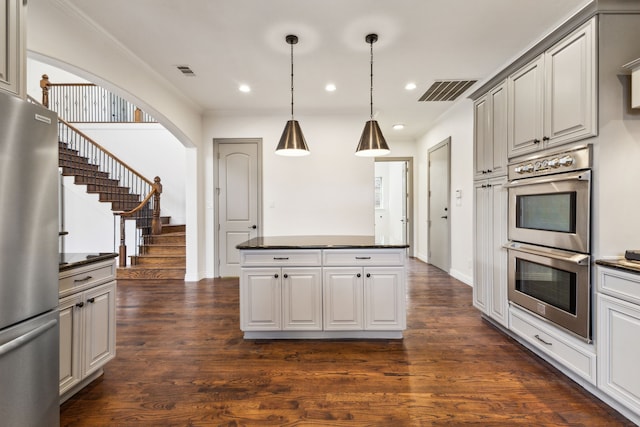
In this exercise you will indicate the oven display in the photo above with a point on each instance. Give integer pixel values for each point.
(547, 212)
(550, 285)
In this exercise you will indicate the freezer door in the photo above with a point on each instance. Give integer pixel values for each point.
(29, 373)
(28, 210)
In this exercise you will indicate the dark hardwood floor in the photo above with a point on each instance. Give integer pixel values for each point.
(181, 361)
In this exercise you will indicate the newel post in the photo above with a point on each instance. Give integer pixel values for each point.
(156, 225)
(122, 253)
(44, 85)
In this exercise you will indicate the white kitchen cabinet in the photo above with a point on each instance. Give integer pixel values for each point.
(490, 269)
(617, 336)
(490, 133)
(87, 325)
(281, 299)
(552, 99)
(12, 46)
(326, 293)
(364, 298)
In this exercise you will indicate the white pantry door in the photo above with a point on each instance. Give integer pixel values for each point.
(238, 191)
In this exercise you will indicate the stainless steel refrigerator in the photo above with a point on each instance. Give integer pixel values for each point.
(29, 330)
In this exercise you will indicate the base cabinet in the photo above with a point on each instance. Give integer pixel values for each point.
(340, 292)
(618, 333)
(87, 332)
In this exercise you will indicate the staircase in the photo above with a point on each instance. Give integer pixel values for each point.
(161, 256)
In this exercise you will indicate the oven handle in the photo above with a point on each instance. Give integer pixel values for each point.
(584, 175)
(579, 259)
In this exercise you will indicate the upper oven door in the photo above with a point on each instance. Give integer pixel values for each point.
(552, 211)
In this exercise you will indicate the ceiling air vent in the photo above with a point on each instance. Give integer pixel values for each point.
(446, 90)
(184, 69)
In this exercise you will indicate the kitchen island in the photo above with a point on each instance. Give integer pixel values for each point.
(322, 287)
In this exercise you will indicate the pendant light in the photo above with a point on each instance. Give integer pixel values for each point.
(372, 141)
(292, 141)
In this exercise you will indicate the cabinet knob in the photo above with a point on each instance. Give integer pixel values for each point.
(91, 300)
(545, 138)
(358, 275)
(286, 275)
(368, 274)
(536, 141)
(80, 305)
(276, 275)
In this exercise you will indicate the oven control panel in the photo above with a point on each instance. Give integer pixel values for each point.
(551, 162)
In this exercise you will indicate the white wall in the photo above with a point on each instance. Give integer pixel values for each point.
(329, 192)
(457, 123)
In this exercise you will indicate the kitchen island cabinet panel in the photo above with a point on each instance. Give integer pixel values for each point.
(332, 289)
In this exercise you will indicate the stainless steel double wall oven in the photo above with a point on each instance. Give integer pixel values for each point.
(549, 225)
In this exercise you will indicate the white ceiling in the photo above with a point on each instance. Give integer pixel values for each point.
(229, 42)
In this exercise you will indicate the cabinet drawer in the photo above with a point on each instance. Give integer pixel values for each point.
(619, 284)
(564, 348)
(288, 258)
(85, 277)
(354, 257)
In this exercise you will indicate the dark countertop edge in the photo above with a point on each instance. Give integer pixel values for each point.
(67, 261)
(620, 264)
(316, 242)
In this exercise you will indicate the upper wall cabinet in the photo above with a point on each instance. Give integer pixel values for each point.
(490, 133)
(12, 46)
(553, 99)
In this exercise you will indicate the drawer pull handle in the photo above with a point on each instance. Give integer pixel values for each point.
(281, 258)
(80, 305)
(83, 279)
(363, 257)
(542, 341)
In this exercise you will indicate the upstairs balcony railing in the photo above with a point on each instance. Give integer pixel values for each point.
(89, 103)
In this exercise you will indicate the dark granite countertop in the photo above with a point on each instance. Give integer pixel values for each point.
(621, 264)
(316, 242)
(68, 261)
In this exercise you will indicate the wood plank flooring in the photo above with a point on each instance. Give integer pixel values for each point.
(181, 361)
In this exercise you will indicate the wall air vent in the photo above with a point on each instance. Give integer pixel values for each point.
(184, 69)
(446, 90)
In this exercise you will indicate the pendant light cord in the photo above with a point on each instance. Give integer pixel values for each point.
(371, 87)
(291, 81)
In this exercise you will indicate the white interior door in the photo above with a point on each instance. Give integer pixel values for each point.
(393, 201)
(439, 209)
(238, 188)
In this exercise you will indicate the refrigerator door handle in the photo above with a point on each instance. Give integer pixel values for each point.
(25, 338)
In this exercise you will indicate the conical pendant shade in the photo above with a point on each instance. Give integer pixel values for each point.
(372, 141)
(292, 141)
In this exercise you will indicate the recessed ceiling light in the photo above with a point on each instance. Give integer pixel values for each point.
(330, 87)
(410, 86)
(398, 126)
(244, 88)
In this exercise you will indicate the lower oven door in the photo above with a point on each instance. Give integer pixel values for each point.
(553, 284)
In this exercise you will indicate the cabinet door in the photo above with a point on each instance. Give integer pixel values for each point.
(619, 350)
(12, 39)
(260, 299)
(497, 286)
(343, 294)
(70, 333)
(100, 326)
(384, 298)
(482, 143)
(302, 299)
(570, 87)
(481, 261)
(498, 130)
(525, 105)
